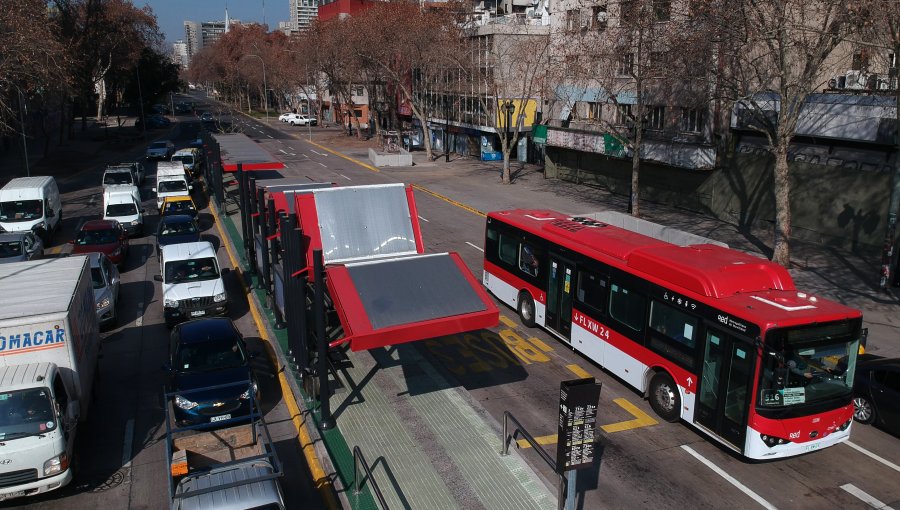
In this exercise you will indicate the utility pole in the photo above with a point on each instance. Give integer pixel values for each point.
(24, 140)
(137, 69)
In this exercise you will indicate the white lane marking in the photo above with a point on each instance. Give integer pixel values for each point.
(342, 175)
(863, 451)
(291, 148)
(423, 219)
(323, 164)
(743, 488)
(292, 154)
(270, 136)
(476, 247)
(865, 497)
(319, 153)
(282, 151)
(129, 439)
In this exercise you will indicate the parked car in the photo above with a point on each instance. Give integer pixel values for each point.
(106, 279)
(876, 392)
(104, 236)
(162, 149)
(300, 120)
(183, 107)
(284, 117)
(176, 228)
(210, 352)
(154, 122)
(19, 246)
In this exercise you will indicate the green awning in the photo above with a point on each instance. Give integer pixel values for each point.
(539, 134)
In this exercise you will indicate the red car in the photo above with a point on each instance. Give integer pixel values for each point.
(104, 236)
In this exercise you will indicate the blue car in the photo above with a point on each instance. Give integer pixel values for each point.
(204, 355)
(175, 229)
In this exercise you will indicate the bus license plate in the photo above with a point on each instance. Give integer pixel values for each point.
(198, 313)
(220, 418)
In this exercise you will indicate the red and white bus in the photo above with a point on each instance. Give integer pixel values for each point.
(713, 336)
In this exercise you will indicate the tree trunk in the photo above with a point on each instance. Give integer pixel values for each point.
(505, 176)
(782, 189)
(101, 99)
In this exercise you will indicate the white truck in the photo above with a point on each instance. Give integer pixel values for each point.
(49, 343)
(171, 181)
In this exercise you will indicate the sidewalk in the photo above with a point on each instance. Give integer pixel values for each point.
(836, 274)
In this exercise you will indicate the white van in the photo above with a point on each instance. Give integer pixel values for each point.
(31, 203)
(123, 204)
(171, 181)
(192, 284)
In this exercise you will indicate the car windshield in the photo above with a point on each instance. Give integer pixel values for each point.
(192, 270)
(97, 278)
(213, 354)
(121, 210)
(117, 178)
(10, 249)
(86, 237)
(179, 207)
(171, 186)
(808, 365)
(177, 228)
(158, 145)
(21, 210)
(184, 158)
(26, 413)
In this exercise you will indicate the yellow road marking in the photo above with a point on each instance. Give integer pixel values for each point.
(348, 158)
(641, 419)
(575, 369)
(449, 200)
(54, 251)
(321, 480)
(540, 343)
(506, 320)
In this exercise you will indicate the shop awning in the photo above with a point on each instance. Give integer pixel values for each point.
(238, 148)
(384, 288)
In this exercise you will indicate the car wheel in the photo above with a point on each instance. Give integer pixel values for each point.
(863, 410)
(664, 397)
(526, 309)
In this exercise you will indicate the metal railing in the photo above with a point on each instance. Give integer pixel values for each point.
(359, 460)
(507, 417)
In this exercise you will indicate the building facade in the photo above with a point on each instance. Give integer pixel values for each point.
(192, 38)
(303, 13)
(180, 54)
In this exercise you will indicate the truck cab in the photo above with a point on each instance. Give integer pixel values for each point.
(171, 181)
(38, 417)
(192, 284)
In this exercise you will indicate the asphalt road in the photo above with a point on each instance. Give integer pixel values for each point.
(122, 447)
(645, 463)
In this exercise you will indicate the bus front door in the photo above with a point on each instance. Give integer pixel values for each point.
(724, 386)
(559, 297)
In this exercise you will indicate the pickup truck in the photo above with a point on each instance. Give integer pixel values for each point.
(229, 468)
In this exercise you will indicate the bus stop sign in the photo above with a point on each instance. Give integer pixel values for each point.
(578, 400)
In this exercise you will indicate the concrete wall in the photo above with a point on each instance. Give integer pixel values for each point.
(380, 159)
(831, 205)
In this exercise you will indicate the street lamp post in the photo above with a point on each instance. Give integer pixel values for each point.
(265, 86)
(446, 129)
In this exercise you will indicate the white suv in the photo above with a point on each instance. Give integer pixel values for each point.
(192, 284)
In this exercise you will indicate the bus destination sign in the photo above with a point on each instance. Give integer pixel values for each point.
(578, 400)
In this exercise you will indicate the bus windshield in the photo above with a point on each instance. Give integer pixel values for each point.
(808, 365)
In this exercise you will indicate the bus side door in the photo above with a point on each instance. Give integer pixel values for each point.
(723, 395)
(560, 287)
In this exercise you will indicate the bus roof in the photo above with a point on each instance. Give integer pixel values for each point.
(739, 282)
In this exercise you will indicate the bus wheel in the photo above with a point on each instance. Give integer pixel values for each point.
(526, 309)
(664, 397)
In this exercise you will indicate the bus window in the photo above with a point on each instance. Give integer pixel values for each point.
(627, 307)
(673, 323)
(528, 261)
(509, 246)
(592, 291)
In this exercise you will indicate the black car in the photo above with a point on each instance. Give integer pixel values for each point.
(876, 392)
(176, 228)
(207, 117)
(210, 354)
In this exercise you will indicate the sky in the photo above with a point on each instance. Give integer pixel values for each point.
(172, 14)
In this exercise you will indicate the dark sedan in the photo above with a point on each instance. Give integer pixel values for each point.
(876, 392)
(176, 228)
(206, 353)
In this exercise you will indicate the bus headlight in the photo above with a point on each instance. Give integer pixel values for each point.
(772, 441)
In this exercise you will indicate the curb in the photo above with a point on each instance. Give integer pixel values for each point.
(308, 436)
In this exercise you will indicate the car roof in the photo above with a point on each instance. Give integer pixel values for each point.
(94, 257)
(118, 168)
(871, 361)
(189, 150)
(176, 218)
(99, 225)
(203, 330)
(183, 251)
(177, 199)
